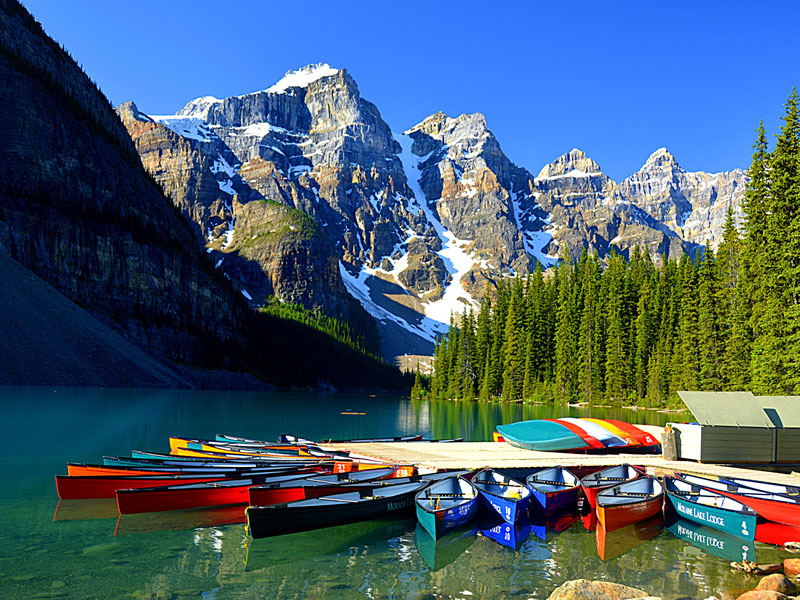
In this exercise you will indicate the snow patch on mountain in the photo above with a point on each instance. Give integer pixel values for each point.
(192, 128)
(456, 260)
(302, 77)
(199, 107)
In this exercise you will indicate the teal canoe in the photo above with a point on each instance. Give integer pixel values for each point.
(706, 507)
(713, 541)
(541, 435)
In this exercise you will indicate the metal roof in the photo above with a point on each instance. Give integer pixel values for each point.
(729, 409)
(783, 410)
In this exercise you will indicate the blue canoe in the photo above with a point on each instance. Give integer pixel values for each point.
(446, 505)
(552, 490)
(541, 435)
(511, 535)
(505, 496)
(706, 507)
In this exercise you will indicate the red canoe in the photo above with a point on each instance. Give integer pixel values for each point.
(87, 470)
(629, 502)
(80, 488)
(780, 508)
(319, 485)
(641, 436)
(592, 441)
(198, 495)
(606, 478)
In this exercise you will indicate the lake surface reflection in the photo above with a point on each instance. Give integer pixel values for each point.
(84, 550)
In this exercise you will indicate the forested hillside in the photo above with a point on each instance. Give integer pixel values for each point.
(634, 332)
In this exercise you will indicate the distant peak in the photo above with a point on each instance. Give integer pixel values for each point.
(199, 107)
(440, 124)
(573, 162)
(129, 110)
(660, 159)
(302, 77)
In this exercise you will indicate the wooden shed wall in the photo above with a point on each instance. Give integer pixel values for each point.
(789, 445)
(725, 444)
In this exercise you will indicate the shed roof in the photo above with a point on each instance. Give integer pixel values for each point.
(784, 411)
(729, 409)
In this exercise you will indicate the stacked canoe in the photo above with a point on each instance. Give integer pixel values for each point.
(596, 436)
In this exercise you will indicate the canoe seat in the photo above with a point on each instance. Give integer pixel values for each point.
(497, 483)
(434, 496)
(548, 482)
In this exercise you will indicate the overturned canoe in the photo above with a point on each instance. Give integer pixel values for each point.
(585, 435)
(541, 435)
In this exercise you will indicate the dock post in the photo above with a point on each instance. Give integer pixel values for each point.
(669, 449)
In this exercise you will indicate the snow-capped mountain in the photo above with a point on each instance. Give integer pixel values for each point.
(419, 221)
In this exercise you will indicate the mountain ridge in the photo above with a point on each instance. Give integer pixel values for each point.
(407, 212)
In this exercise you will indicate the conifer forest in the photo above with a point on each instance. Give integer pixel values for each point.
(633, 331)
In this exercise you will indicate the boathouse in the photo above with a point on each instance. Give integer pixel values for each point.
(730, 427)
(784, 412)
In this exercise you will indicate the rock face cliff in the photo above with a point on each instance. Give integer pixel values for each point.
(78, 210)
(692, 205)
(420, 222)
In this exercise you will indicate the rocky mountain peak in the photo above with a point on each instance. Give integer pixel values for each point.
(199, 107)
(302, 77)
(573, 162)
(661, 160)
(443, 127)
(128, 111)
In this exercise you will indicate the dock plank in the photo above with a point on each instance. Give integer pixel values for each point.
(499, 455)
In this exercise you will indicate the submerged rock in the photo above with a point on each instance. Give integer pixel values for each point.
(583, 589)
(777, 582)
(763, 595)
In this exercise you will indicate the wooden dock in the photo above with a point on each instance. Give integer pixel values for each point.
(499, 455)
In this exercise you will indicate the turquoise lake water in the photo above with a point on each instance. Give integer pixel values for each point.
(206, 554)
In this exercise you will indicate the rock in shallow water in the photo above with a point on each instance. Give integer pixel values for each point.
(778, 582)
(583, 589)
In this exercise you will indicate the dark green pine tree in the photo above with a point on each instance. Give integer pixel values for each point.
(438, 377)
(483, 333)
(484, 392)
(453, 346)
(617, 334)
(588, 385)
(419, 390)
(566, 351)
(498, 339)
(708, 336)
(784, 233)
(686, 352)
(514, 350)
(734, 311)
(467, 371)
(645, 339)
(754, 263)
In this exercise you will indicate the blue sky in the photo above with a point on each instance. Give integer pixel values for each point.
(616, 79)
